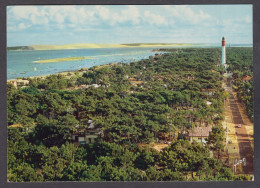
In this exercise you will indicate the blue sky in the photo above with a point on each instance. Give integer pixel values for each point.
(57, 25)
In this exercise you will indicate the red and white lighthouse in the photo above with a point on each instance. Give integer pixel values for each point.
(223, 52)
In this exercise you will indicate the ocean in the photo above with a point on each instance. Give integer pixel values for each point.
(23, 63)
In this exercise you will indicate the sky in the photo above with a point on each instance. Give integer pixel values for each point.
(116, 24)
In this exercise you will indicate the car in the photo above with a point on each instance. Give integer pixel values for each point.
(239, 126)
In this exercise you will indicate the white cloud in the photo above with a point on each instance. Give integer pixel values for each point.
(23, 12)
(39, 20)
(186, 14)
(59, 18)
(103, 12)
(243, 21)
(131, 13)
(65, 16)
(23, 26)
(87, 18)
(44, 15)
(155, 19)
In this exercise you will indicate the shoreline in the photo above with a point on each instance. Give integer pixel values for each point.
(96, 46)
(81, 70)
(78, 70)
(44, 76)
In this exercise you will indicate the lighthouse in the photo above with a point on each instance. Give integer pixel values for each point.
(223, 52)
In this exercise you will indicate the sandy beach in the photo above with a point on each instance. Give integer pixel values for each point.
(61, 59)
(67, 74)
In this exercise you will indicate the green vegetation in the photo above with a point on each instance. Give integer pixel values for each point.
(240, 61)
(154, 100)
(20, 48)
(156, 44)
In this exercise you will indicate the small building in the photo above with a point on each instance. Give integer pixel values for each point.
(208, 92)
(93, 85)
(79, 135)
(208, 103)
(246, 78)
(19, 82)
(87, 135)
(199, 134)
(22, 128)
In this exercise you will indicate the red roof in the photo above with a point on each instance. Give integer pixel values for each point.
(246, 78)
(200, 132)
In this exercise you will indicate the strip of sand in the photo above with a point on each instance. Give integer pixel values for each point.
(88, 45)
(61, 59)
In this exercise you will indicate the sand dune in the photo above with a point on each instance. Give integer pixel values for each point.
(88, 45)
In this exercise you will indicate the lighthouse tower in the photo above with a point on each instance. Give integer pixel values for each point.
(223, 52)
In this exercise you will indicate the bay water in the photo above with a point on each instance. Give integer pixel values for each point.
(24, 63)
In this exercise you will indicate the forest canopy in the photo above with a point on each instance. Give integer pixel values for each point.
(154, 100)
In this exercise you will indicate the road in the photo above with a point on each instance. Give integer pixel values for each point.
(243, 138)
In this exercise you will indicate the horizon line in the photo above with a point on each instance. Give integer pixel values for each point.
(149, 43)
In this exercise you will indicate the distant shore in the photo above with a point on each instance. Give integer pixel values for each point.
(87, 45)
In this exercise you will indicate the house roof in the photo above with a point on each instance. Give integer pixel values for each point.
(246, 78)
(91, 126)
(16, 125)
(19, 81)
(200, 132)
(208, 103)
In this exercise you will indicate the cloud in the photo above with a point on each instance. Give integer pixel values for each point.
(23, 12)
(65, 16)
(132, 14)
(155, 19)
(187, 14)
(103, 12)
(22, 26)
(129, 14)
(59, 18)
(39, 20)
(54, 16)
(127, 22)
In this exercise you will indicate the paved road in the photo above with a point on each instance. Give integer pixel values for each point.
(245, 149)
